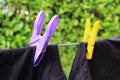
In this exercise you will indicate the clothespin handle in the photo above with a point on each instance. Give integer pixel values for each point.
(87, 31)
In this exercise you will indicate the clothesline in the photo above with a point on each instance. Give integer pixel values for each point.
(59, 45)
(71, 44)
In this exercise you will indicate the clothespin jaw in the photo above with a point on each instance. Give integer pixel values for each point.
(90, 37)
(41, 41)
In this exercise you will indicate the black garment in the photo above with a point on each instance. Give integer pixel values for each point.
(50, 67)
(17, 64)
(105, 64)
(80, 69)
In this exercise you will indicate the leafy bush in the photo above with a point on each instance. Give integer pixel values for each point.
(17, 18)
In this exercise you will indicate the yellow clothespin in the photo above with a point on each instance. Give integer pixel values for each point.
(90, 37)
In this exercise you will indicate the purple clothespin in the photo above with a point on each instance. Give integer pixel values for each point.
(41, 42)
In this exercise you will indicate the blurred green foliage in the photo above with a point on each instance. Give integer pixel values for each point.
(17, 18)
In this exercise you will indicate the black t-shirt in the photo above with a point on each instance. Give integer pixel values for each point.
(105, 64)
(80, 69)
(17, 64)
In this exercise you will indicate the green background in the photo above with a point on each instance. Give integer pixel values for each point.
(17, 19)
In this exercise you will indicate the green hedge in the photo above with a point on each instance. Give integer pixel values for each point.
(17, 18)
